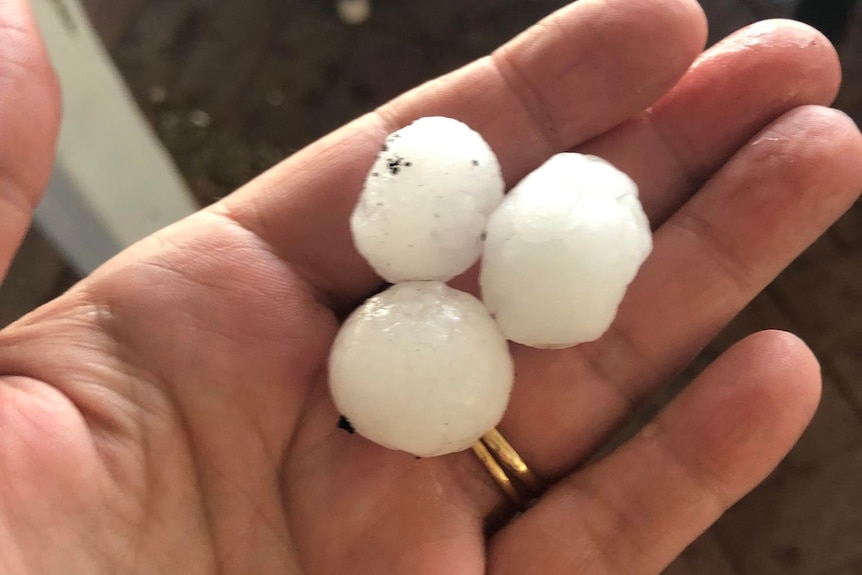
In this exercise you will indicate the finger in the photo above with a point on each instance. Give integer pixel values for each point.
(777, 195)
(732, 92)
(576, 74)
(634, 511)
(29, 120)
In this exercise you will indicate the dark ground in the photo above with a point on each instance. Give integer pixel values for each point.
(233, 86)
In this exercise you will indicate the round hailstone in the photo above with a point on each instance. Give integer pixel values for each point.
(422, 368)
(561, 250)
(426, 201)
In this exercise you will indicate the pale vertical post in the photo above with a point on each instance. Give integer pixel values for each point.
(113, 183)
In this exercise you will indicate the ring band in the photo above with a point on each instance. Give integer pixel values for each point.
(508, 469)
(500, 477)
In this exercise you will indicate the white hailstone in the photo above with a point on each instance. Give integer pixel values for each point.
(561, 250)
(426, 200)
(421, 367)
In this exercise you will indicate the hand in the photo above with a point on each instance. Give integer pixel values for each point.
(170, 413)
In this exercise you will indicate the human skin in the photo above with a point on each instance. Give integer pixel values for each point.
(170, 414)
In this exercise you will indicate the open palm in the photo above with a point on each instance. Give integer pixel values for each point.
(170, 413)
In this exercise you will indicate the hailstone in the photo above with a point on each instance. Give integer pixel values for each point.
(561, 250)
(421, 367)
(426, 201)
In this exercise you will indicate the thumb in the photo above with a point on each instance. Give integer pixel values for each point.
(29, 123)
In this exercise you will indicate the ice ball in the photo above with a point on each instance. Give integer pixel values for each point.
(561, 250)
(421, 367)
(426, 201)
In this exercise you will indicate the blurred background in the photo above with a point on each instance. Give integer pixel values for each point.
(230, 87)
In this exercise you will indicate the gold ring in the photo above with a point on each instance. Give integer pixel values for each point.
(508, 470)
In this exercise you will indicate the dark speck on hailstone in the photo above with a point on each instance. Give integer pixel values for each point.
(395, 165)
(344, 423)
(475, 162)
